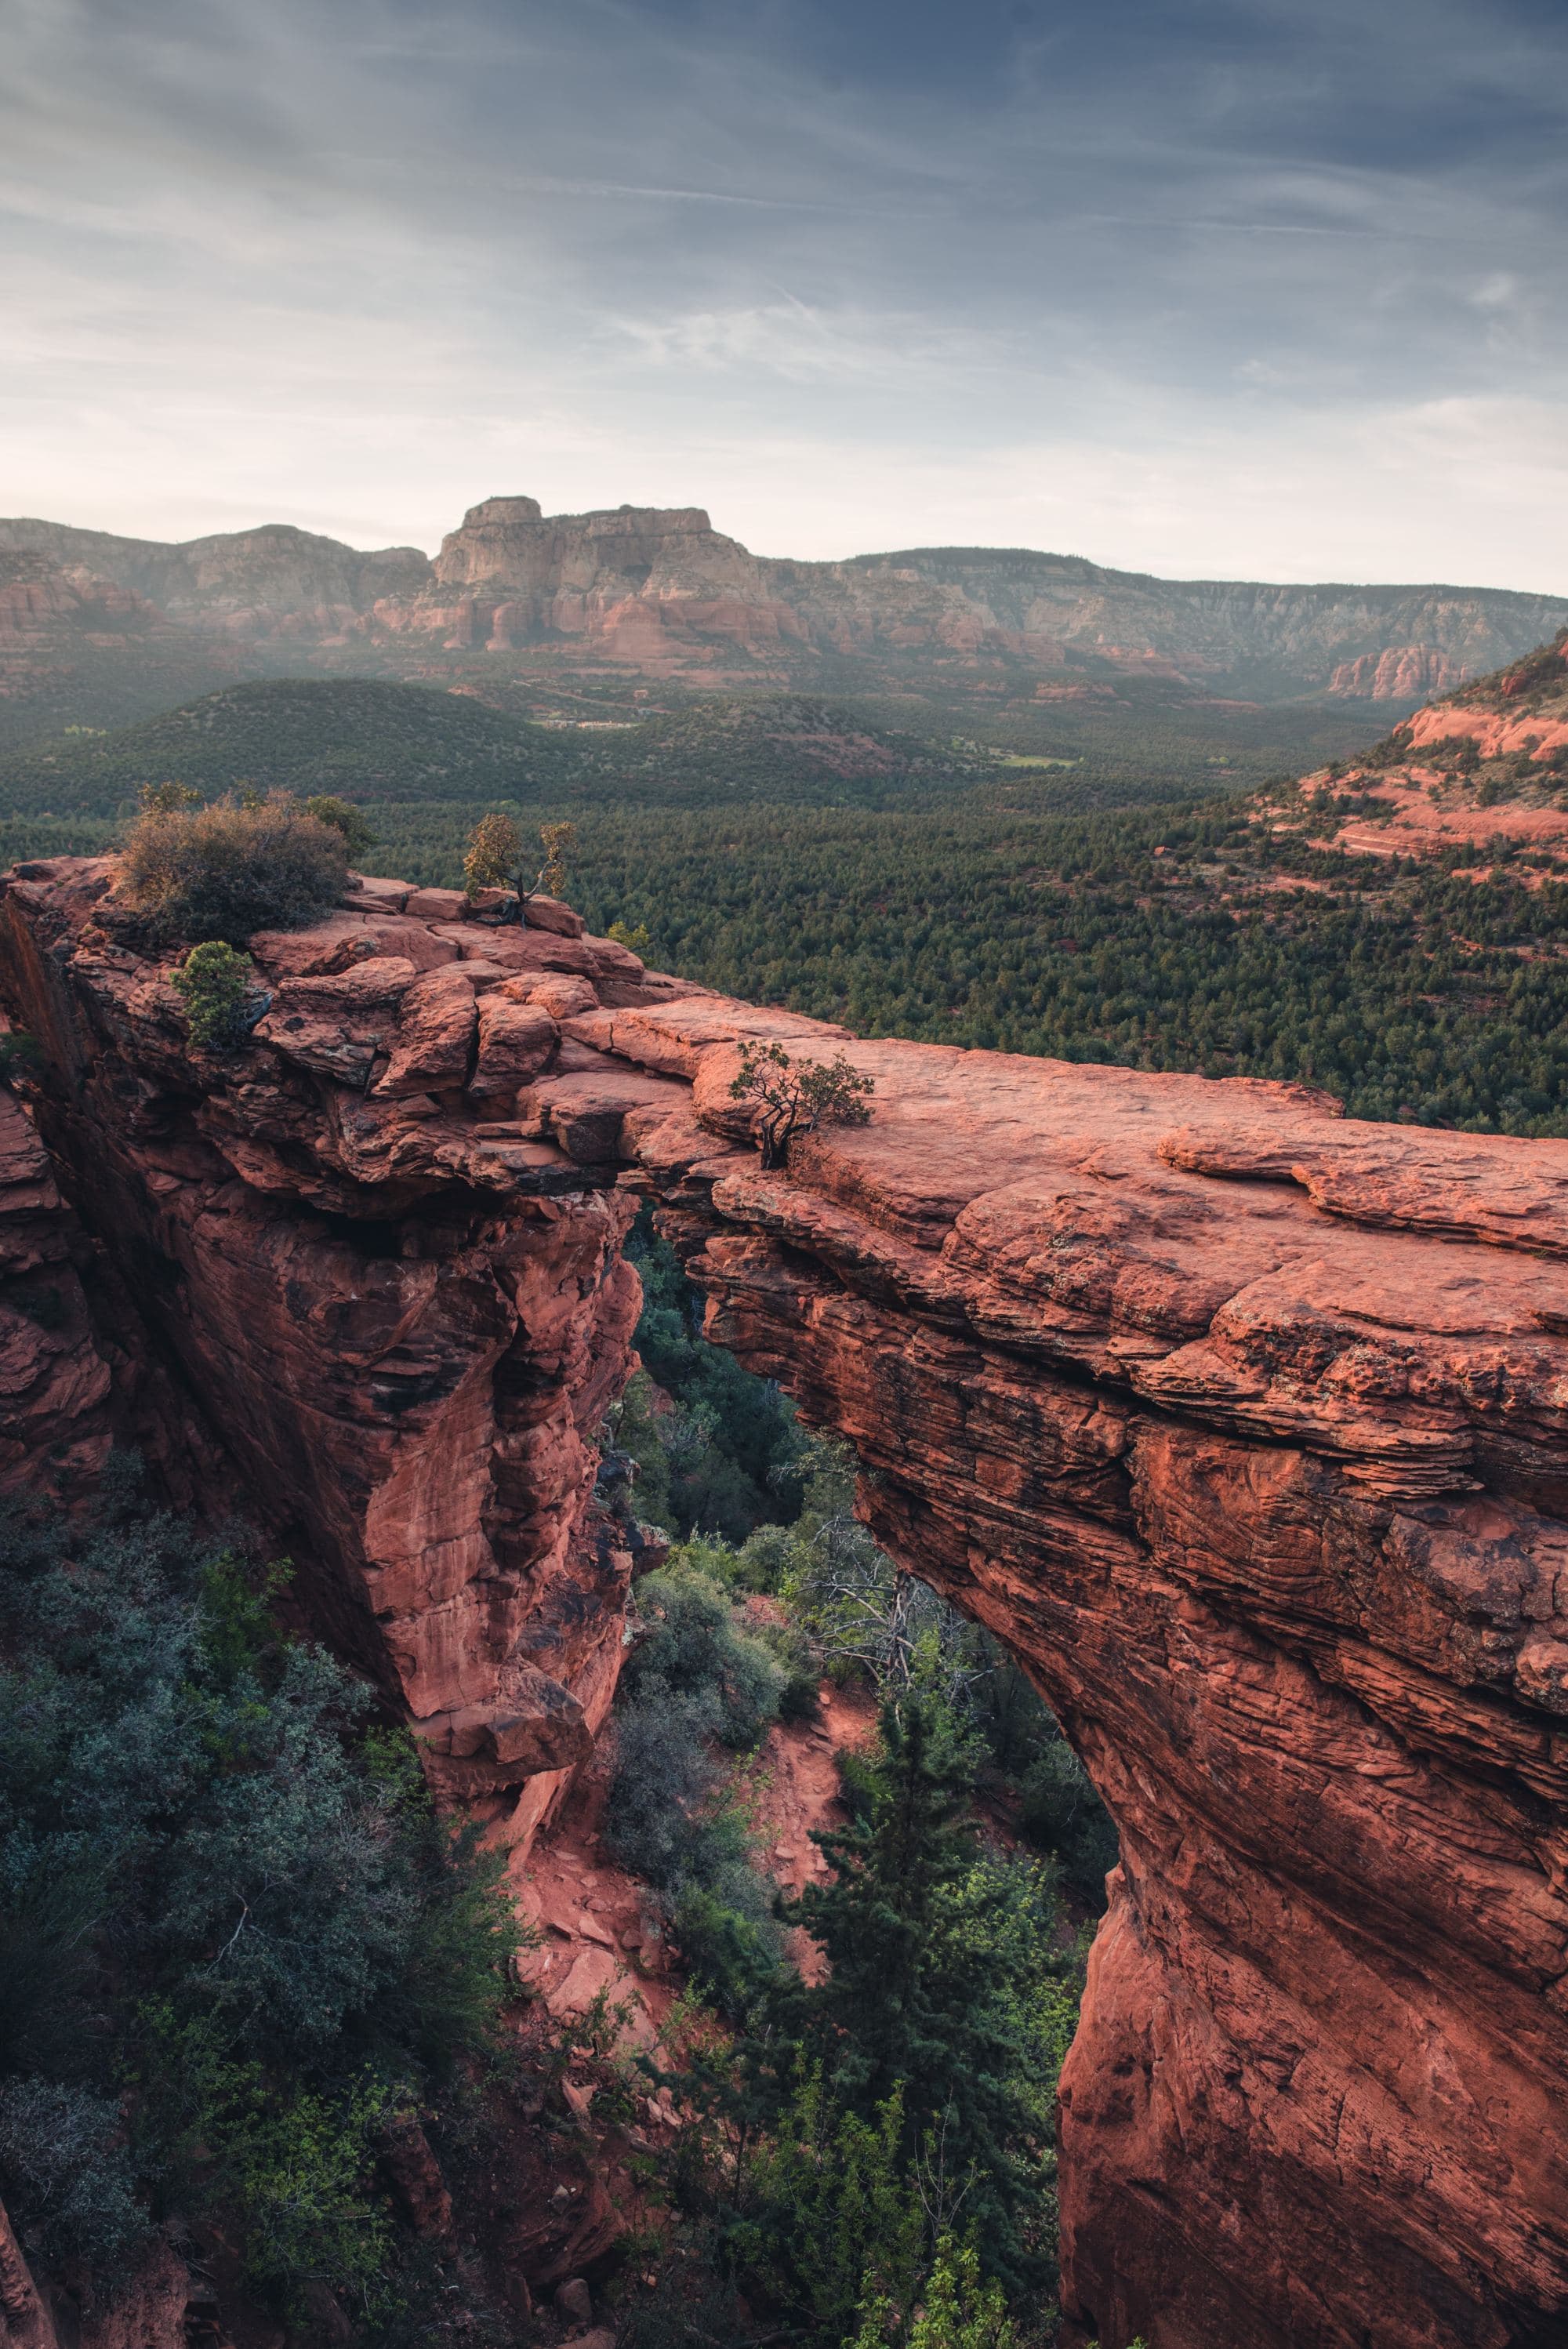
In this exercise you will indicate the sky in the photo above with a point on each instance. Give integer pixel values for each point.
(1230, 288)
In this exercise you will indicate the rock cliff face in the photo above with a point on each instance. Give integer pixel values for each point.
(1523, 711)
(1402, 673)
(402, 1332)
(1244, 1426)
(661, 591)
(255, 582)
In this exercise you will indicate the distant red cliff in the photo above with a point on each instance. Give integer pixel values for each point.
(659, 591)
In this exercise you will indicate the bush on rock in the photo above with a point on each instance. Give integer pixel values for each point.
(225, 871)
(214, 981)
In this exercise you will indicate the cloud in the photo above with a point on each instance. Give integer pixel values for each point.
(1115, 276)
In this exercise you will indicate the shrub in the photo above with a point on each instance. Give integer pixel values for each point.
(694, 1648)
(667, 1820)
(68, 2179)
(696, 1679)
(226, 871)
(216, 1891)
(214, 984)
(345, 818)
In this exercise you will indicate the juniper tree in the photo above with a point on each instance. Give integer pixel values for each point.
(797, 1096)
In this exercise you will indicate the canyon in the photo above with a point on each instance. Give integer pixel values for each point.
(660, 593)
(1244, 1426)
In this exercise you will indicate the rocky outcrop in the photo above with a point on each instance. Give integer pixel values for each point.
(24, 2319)
(1400, 673)
(1211, 1406)
(56, 1381)
(156, 2305)
(402, 1324)
(76, 645)
(273, 581)
(661, 591)
(1245, 1427)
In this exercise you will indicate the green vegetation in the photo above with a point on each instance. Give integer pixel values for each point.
(354, 739)
(237, 1942)
(793, 1097)
(370, 741)
(866, 2156)
(225, 871)
(367, 741)
(1189, 938)
(495, 858)
(214, 984)
(358, 838)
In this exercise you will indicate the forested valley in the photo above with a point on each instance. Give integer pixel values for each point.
(803, 855)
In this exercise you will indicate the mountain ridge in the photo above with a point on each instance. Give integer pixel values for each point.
(660, 593)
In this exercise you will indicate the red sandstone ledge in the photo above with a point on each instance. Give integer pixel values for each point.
(1243, 1424)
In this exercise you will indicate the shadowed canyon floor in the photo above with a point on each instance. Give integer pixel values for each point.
(1244, 1426)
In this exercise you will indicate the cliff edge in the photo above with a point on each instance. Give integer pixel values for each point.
(1244, 1426)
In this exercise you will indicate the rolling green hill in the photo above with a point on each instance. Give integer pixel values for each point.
(358, 738)
(388, 742)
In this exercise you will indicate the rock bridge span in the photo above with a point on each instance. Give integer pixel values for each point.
(1244, 1426)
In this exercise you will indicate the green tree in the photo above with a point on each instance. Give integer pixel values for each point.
(235, 1936)
(939, 1987)
(342, 817)
(796, 1097)
(168, 799)
(494, 860)
(958, 2308)
(214, 984)
(494, 848)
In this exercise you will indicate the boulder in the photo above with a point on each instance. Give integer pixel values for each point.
(436, 1032)
(516, 1041)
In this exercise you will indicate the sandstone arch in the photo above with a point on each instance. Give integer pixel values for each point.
(1246, 1427)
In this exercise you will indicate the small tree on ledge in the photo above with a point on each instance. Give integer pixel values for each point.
(494, 860)
(797, 1097)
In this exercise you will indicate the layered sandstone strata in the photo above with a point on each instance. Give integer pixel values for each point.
(1247, 1429)
(1244, 1426)
(401, 1329)
(660, 590)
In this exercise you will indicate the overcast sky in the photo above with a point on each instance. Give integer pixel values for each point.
(1264, 288)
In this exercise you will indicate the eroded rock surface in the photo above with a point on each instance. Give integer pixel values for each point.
(403, 1329)
(1244, 1426)
(660, 591)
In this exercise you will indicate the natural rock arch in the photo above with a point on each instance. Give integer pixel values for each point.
(1244, 1426)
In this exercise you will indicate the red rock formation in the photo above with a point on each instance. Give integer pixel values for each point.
(1496, 733)
(55, 1375)
(404, 1328)
(24, 2319)
(1245, 1427)
(662, 591)
(1211, 1407)
(1399, 673)
(149, 2308)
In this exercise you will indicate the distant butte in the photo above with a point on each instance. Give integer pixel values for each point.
(660, 591)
